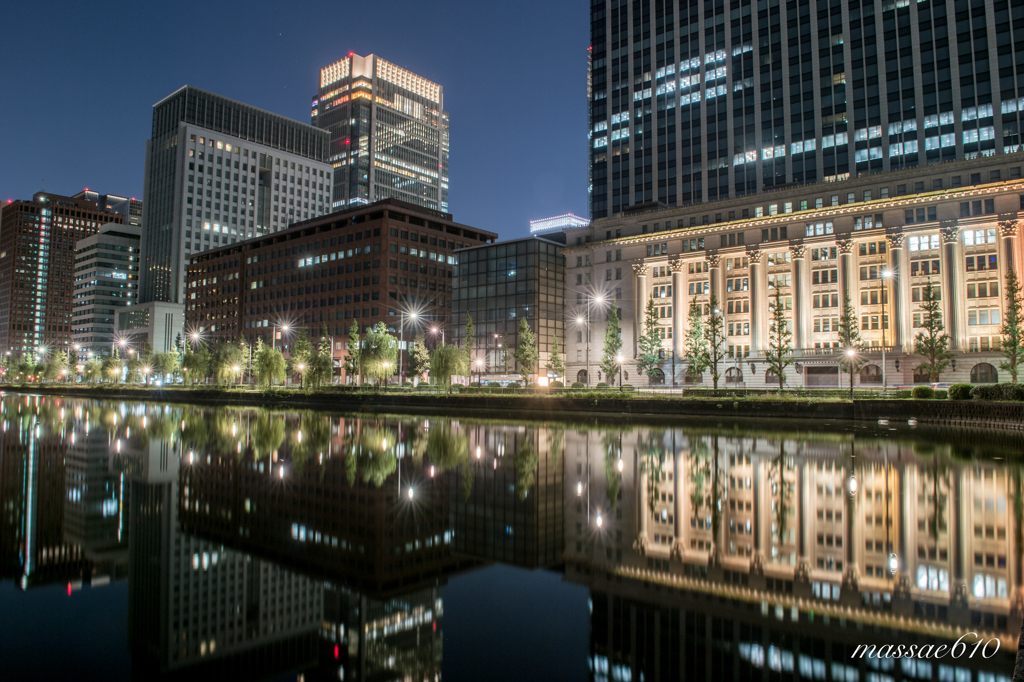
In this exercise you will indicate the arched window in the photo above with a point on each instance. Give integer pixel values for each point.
(771, 378)
(656, 377)
(870, 374)
(733, 376)
(693, 379)
(581, 376)
(921, 375)
(984, 373)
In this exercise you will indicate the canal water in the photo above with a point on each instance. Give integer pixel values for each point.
(143, 541)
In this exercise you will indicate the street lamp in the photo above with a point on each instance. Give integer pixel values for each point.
(386, 365)
(618, 359)
(886, 274)
(579, 320)
(283, 328)
(435, 330)
(850, 353)
(401, 341)
(480, 371)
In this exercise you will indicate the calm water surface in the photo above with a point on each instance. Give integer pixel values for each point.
(146, 541)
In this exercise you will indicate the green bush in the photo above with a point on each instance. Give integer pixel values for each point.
(923, 393)
(960, 391)
(424, 387)
(513, 384)
(494, 384)
(941, 394)
(557, 384)
(1005, 391)
(602, 385)
(475, 384)
(578, 384)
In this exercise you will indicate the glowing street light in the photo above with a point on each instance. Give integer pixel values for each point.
(600, 520)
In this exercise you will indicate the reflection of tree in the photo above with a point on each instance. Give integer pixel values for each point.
(526, 462)
(376, 455)
(556, 441)
(311, 439)
(652, 459)
(194, 433)
(446, 446)
(782, 493)
(612, 444)
(267, 434)
(706, 481)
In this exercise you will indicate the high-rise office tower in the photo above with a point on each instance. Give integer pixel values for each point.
(219, 171)
(131, 209)
(707, 101)
(37, 242)
(106, 282)
(389, 133)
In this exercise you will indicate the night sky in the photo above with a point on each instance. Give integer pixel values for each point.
(79, 82)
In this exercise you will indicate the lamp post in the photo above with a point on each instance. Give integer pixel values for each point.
(886, 274)
(435, 330)
(850, 352)
(480, 371)
(283, 328)
(401, 342)
(618, 359)
(590, 301)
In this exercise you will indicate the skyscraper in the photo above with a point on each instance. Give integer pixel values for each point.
(203, 149)
(37, 241)
(703, 102)
(389, 133)
(106, 280)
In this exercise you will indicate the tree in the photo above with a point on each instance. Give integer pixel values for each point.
(419, 358)
(526, 354)
(196, 364)
(380, 353)
(555, 364)
(246, 354)
(269, 364)
(931, 342)
(165, 363)
(134, 366)
(696, 345)
(302, 355)
(849, 340)
(779, 354)
(714, 336)
(112, 367)
(57, 367)
(93, 370)
(469, 344)
(648, 355)
(352, 366)
(448, 361)
(611, 355)
(1012, 348)
(323, 362)
(228, 363)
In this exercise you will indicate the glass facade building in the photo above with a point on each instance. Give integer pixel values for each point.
(389, 133)
(499, 284)
(106, 282)
(219, 171)
(703, 101)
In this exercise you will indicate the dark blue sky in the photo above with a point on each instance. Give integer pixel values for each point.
(79, 82)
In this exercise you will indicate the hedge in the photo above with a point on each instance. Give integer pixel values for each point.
(960, 391)
(922, 392)
(1005, 391)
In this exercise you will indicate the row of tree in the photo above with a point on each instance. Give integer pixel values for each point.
(704, 344)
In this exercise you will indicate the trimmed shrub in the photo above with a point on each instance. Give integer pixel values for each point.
(941, 394)
(1012, 391)
(424, 387)
(986, 392)
(475, 384)
(602, 385)
(494, 384)
(922, 393)
(578, 384)
(557, 384)
(960, 391)
(513, 384)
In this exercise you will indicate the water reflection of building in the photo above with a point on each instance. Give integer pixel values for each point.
(198, 607)
(335, 502)
(774, 521)
(512, 507)
(34, 481)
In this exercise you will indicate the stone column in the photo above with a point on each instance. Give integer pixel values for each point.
(799, 252)
(714, 265)
(951, 284)
(679, 307)
(895, 309)
(756, 333)
(845, 245)
(1008, 231)
(641, 303)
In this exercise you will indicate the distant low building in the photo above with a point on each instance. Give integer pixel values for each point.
(159, 323)
(557, 224)
(106, 280)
